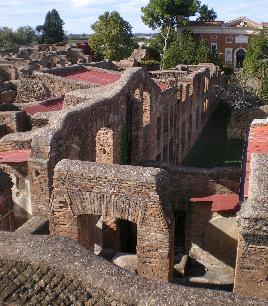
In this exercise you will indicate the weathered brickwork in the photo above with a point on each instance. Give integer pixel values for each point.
(187, 182)
(179, 114)
(84, 175)
(120, 192)
(25, 284)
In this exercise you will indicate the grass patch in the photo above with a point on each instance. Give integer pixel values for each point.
(213, 149)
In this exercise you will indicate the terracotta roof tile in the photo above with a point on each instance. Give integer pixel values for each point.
(91, 76)
(46, 106)
(16, 156)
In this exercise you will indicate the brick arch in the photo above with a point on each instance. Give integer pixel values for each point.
(131, 193)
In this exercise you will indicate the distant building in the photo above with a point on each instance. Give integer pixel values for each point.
(230, 39)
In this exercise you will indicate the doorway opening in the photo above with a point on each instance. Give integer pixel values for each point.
(128, 236)
(240, 56)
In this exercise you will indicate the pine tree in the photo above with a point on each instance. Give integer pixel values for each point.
(51, 31)
(206, 14)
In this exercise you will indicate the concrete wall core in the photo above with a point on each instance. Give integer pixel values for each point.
(130, 193)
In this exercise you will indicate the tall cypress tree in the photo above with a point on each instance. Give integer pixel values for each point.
(52, 30)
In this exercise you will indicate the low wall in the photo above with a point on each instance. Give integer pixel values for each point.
(40, 86)
(47, 270)
(187, 182)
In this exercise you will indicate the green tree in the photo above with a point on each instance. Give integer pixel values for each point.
(186, 49)
(203, 53)
(256, 55)
(206, 14)
(52, 30)
(168, 15)
(181, 51)
(112, 37)
(25, 35)
(7, 38)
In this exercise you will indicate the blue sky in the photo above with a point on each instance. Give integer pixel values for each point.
(80, 14)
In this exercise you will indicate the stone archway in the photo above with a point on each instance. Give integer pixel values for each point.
(136, 194)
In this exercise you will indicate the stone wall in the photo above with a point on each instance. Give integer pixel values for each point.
(131, 193)
(180, 112)
(70, 274)
(240, 121)
(189, 182)
(10, 122)
(39, 86)
(72, 133)
(252, 255)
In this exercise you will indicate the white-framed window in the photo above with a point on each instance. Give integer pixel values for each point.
(213, 47)
(213, 37)
(228, 55)
(229, 40)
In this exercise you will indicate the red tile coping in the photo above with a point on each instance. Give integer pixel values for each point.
(257, 143)
(163, 86)
(16, 156)
(91, 76)
(220, 202)
(46, 106)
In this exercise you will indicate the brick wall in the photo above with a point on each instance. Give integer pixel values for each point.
(119, 192)
(252, 254)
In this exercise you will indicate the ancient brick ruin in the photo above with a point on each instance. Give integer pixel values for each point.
(94, 154)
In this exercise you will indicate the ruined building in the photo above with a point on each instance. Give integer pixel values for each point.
(91, 162)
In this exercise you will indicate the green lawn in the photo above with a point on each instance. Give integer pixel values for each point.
(213, 149)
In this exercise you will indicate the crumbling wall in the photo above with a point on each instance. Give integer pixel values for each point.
(10, 122)
(240, 120)
(181, 111)
(114, 108)
(41, 86)
(131, 193)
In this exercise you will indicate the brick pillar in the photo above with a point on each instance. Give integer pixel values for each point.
(155, 253)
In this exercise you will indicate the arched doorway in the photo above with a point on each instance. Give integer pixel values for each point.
(239, 57)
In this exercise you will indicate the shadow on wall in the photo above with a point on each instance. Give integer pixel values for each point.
(212, 236)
